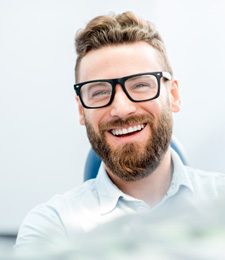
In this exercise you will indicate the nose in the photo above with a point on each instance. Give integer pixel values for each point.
(122, 106)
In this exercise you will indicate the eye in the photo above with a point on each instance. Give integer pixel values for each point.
(97, 90)
(143, 83)
(141, 86)
(95, 93)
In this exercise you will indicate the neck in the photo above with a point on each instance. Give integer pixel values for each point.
(152, 188)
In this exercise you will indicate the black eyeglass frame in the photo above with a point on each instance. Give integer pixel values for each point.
(121, 82)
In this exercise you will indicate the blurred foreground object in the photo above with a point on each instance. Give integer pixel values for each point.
(175, 234)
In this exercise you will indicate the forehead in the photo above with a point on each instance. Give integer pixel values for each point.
(119, 60)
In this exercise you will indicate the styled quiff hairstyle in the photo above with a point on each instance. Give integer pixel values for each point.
(114, 29)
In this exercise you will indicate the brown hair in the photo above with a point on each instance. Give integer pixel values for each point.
(117, 29)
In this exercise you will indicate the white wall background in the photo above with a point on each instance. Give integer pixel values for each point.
(42, 146)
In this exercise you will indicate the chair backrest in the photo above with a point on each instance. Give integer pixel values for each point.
(93, 161)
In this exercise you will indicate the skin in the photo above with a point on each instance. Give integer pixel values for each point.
(119, 61)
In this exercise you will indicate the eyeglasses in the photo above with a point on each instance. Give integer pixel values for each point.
(138, 88)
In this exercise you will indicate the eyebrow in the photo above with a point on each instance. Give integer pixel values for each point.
(96, 83)
(136, 77)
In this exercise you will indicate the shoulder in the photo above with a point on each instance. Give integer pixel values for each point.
(72, 198)
(55, 217)
(204, 175)
(86, 190)
(210, 183)
(61, 205)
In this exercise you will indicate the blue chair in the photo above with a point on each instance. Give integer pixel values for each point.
(93, 161)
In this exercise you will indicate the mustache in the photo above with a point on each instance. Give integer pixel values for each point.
(130, 121)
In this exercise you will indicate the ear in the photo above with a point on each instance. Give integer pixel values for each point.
(80, 110)
(175, 96)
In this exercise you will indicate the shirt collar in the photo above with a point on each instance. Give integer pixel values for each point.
(109, 193)
(180, 177)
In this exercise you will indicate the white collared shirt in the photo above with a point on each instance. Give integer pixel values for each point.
(98, 201)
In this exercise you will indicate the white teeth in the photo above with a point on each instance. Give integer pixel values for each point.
(124, 131)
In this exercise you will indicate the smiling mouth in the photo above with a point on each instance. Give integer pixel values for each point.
(127, 131)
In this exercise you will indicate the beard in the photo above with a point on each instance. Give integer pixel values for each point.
(133, 161)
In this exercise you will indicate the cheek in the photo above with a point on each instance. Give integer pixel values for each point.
(80, 111)
(157, 105)
(165, 102)
(93, 118)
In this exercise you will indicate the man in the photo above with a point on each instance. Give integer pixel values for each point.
(126, 95)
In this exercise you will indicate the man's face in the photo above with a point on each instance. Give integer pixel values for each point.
(130, 137)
